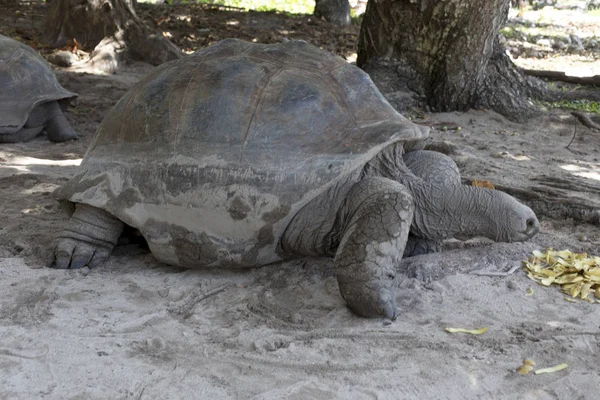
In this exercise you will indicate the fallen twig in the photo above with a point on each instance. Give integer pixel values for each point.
(573, 138)
(480, 272)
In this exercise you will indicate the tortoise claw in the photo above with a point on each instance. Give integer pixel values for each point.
(81, 256)
(72, 254)
(62, 254)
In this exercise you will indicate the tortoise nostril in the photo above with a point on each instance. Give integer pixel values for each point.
(532, 226)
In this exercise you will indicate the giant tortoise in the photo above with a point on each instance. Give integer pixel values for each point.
(30, 96)
(245, 154)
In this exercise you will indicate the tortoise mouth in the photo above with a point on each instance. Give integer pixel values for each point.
(532, 228)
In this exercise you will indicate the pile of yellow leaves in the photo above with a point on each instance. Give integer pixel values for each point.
(576, 273)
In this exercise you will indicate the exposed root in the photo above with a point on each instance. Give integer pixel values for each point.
(561, 76)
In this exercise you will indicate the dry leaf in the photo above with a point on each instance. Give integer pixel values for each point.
(527, 367)
(551, 369)
(471, 331)
(483, 184)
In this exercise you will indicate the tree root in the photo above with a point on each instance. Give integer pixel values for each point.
(561, 76)
(586, 120)
(558, 198)
(507, 90)
(111, 28)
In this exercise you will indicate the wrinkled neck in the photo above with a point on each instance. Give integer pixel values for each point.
(441, 211)
(388, 163)
(451, 211)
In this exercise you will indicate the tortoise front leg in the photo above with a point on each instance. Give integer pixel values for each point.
(88, 240)
(376, 218)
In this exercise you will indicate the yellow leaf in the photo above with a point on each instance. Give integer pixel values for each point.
(570, 278)
(571, 300)
(529, 292)
(566, 254)
(546, 272)
(592, 278)
(538, 254)
(585, 290)
(551, 369)
(547, 281)
(527, 366)
(524, 369)
(471, 331)
(563, 262)
(594, 271)
(575, 290)
(483, 184)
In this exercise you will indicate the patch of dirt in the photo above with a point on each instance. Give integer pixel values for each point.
(134, 328)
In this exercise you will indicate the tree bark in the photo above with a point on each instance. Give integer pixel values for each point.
(111, 28)
(444, 54)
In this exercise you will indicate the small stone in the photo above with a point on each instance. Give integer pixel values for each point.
(296, 318)
(63, 58)
(544, 42)
(511, 285)
(85, 271)
(156, 344)
(436, 287)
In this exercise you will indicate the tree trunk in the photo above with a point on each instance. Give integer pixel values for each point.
(334, 11)
(111, 28)
(444, 54)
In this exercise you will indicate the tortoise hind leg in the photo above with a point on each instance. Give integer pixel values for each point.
(377, 216)
(88, 240)
(57, 126)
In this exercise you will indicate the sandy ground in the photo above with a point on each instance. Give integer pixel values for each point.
(135, 328)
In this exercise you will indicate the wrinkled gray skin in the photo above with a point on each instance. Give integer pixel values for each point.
(319, 169)
(437, 168)
(364, 226)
